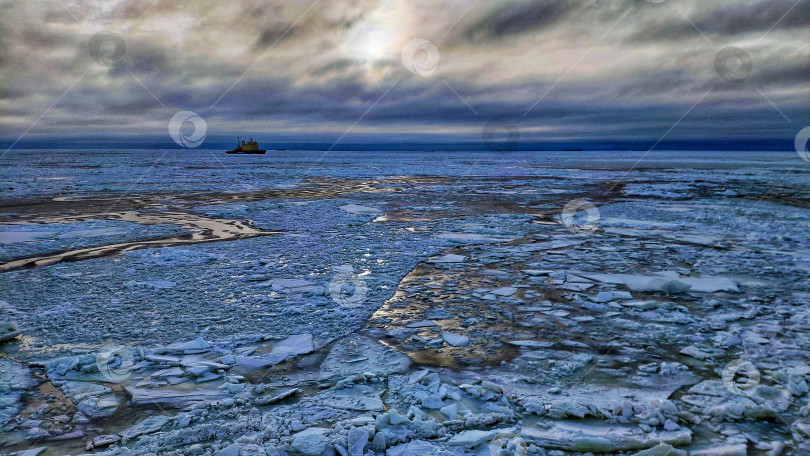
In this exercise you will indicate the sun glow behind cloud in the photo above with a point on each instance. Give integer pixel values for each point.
(381, 34)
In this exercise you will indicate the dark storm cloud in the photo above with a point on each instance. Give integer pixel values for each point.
(790, 74)
(274, 33)
(337, 67)
(512, 18)
(271, 24)
(654, 84)
(121, 102)
(731, 19)
(10, 94)
(611, 117)
(757, 17)
(142, 58)
(669, 31)
(592, 68)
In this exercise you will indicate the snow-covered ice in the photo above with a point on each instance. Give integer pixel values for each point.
(469, 320)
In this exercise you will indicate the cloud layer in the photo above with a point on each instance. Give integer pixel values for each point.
(309, 70)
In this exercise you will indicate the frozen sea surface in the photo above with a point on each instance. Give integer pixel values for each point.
(414, 303)
(85, 173)
(29, 240)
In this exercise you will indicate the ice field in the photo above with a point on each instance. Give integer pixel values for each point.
(405, 303)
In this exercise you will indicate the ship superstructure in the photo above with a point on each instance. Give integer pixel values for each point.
(246, 147)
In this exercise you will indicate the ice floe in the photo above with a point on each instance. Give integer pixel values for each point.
(356, 209)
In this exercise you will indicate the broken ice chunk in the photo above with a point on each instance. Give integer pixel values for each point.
(641, 305)
(448, 258)
(94, 400)
(597, 438)
(668, 282)
(450, 412)
(230, 450)
(356, 353)
(198, 345)
(604, 296)
(292, 285)
(311, 442)
(421, 324)
(415, 448)
(356, 209)
(643, 282)
(292, 346)
(32, 452)
(8, 331)
(359, 398)
(504, 291)
(357, 440)
(725, 450)
(695, 352)
(473, 438)
(532, 343)
(661, 450)
(456, 340)
(710, 284)
(536, 272)
(145, 426)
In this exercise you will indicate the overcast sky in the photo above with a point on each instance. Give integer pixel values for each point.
(556, 70)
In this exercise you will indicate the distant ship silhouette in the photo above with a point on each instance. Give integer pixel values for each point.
(246, 147)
